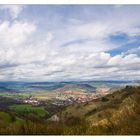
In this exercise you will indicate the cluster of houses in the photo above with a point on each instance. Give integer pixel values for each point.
(31, 101)
(76, 97)
(62, 99)
(71, 98)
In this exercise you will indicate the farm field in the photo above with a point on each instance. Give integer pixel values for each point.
(28, 109)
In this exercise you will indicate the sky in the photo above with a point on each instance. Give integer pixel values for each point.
(69, 42)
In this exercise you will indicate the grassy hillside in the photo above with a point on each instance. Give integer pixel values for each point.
(118, 113)
(114, 114)
(29, 109)
(96, 108)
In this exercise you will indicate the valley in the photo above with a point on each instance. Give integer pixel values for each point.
(64, 106)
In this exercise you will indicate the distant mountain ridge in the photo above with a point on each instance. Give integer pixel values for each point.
(50, 86)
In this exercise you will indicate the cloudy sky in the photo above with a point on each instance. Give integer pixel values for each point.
(69, 42)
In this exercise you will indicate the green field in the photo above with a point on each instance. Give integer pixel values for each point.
(7, 119)
(17, 95)
(39, 111)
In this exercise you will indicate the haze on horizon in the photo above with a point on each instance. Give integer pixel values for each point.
(69, 42)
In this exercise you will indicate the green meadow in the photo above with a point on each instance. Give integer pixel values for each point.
(17, 95)
(28, 109)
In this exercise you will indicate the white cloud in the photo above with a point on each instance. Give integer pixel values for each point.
(14, 10)
(16, 33)
(76, 52)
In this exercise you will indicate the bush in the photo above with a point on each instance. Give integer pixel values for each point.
(104, 99)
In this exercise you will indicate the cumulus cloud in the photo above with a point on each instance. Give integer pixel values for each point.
(15, 33)
(78, 51)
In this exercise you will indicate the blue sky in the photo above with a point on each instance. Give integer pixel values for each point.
(69, 42)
